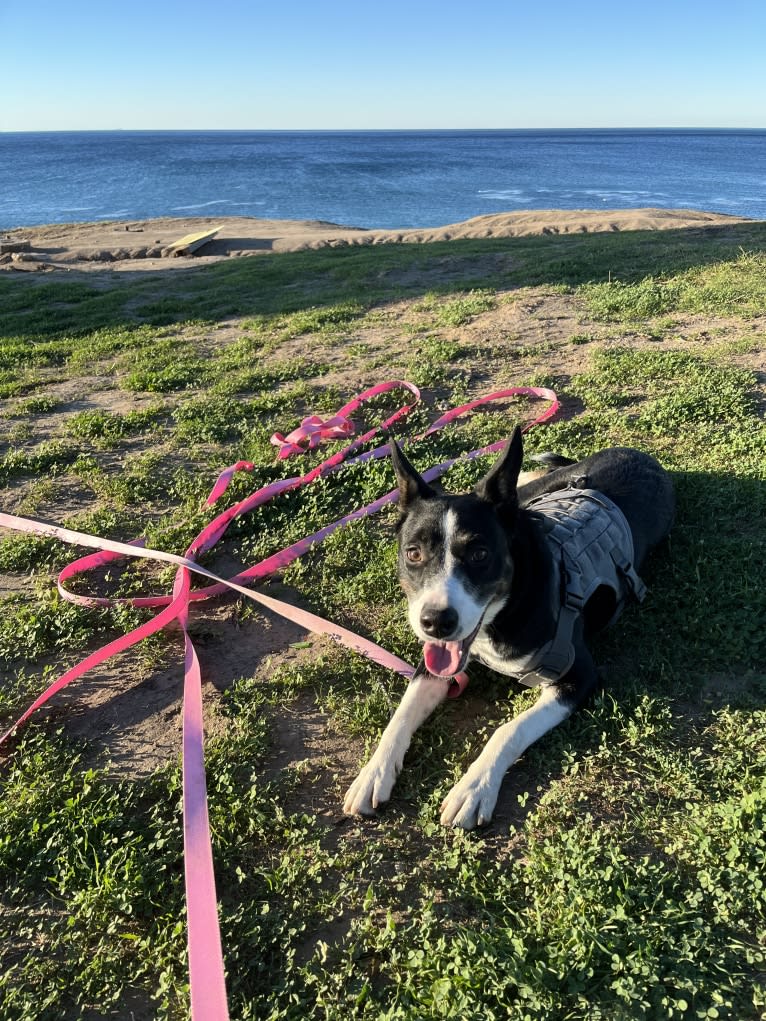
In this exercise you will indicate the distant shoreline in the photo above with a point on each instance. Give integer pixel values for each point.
(140, 244)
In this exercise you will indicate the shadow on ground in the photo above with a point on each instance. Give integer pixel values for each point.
(288, 282)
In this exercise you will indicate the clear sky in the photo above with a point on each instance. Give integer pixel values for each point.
(286, 64)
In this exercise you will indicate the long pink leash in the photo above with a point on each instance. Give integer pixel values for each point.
(206, 970)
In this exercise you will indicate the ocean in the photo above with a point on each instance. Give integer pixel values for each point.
(383, 179)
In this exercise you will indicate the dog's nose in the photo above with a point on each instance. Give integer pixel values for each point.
(439, 623)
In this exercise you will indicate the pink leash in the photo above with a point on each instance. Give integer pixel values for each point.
(206, 970)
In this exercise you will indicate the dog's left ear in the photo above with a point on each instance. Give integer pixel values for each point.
(498, 486)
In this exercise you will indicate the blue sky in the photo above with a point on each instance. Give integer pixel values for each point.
(295, 64)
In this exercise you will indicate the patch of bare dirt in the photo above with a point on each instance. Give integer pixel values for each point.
(308, 744)
(134, 723)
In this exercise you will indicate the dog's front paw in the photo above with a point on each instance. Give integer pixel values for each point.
(371, 789)
(471, 801)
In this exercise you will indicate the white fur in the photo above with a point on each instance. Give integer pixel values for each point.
(482, 648)
(472, 800)
(446, 589)
(492, 610)
(374, 784)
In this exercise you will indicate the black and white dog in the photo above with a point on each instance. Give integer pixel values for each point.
(517, 578)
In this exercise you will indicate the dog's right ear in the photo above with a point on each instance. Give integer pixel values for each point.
(499, 485)
(411, 486)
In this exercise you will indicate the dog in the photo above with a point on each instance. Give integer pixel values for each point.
(518, 578)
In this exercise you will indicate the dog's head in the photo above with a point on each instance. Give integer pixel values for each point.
(455, 562)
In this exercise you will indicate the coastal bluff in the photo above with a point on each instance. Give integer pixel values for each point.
(144, 244)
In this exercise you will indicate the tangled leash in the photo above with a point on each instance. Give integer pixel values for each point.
(206, 969)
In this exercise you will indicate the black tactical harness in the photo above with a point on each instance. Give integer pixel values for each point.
(592, 546)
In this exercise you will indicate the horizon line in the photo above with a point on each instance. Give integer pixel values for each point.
(326, 130)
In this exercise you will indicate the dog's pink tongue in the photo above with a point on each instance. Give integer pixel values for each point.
(442, 658)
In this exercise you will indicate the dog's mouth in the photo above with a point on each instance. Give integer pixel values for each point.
(445, 659)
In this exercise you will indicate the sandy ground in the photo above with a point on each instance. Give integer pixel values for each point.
(135, 244)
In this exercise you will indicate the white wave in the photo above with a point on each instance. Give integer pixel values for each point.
(616, 191)
(504, 194)
(621, 195)
(202, 205)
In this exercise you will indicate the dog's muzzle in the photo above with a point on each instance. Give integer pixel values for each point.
(445, 659)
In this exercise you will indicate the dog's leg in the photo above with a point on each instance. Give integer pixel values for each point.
(472, 800)
(374, 784)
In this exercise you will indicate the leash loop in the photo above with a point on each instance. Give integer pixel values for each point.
(311, 432)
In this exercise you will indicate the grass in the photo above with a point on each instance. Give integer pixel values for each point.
(109, 427)
(623, 875)
(733, 287)
(48, 456)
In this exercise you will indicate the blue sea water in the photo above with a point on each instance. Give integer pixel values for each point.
(374, 179)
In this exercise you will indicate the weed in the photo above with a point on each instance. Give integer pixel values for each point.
(41, 405)
(110, 426)
(457, 311)
(49, 456)
(328, 319)
(23, 553)
(211, 419)
(163, 368)
(52, 625)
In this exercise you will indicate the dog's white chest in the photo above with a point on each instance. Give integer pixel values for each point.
(484, 650)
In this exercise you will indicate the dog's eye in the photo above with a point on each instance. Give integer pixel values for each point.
(478, 556)
(413, 554)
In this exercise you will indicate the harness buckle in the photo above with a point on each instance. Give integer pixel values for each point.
(543, 675)
(573, 599)
(628, 571)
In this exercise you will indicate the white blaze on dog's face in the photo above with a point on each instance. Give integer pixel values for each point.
(455, 562)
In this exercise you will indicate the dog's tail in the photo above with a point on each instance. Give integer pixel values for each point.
(551, 460)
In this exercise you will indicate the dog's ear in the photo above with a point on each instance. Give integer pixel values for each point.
(411, 486)
(498, 486)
